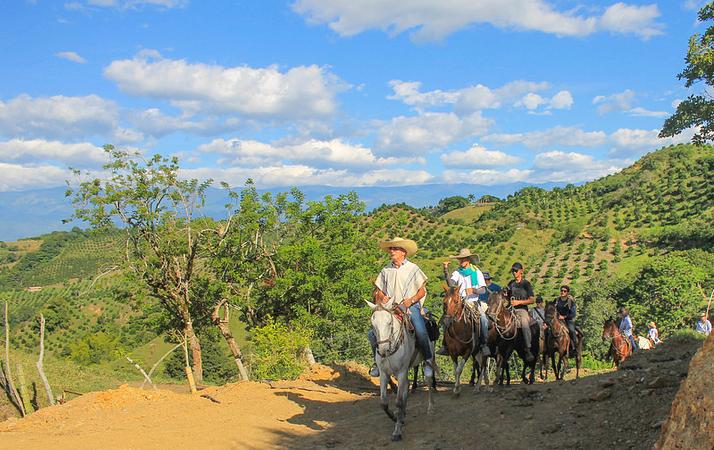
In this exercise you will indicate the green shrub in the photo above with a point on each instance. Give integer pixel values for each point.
(278, 351)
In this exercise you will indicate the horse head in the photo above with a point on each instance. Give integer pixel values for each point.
(384, 325)
(609, 328)
(497, 301)
(550, 313)
(453, 304)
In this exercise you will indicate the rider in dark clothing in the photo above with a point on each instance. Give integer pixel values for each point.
(522, 295)
(567, 310)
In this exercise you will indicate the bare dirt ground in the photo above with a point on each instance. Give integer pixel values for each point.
(340, 408)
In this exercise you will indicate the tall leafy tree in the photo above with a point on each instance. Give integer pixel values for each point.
(698, 109)
(165, 235)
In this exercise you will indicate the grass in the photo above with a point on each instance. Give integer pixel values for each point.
(468, 214)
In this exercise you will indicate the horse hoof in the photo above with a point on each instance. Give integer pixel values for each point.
(396, 437)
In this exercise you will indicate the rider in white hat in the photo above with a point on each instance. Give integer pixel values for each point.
(403, 281)
(472, 284)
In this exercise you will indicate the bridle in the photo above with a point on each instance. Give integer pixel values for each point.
(612, 334)
(502, 330)
(395, 338)
(461, 317)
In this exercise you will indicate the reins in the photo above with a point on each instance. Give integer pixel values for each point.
(393, 345)
(502, 329)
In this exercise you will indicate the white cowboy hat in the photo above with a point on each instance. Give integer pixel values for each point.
(407, 244)
(466, 253)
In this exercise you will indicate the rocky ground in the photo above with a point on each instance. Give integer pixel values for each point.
(340, 408)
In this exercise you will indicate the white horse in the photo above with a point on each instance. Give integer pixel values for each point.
(396, 354)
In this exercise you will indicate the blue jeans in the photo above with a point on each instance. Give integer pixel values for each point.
(484, 328)
(635, 347)
(422, 336)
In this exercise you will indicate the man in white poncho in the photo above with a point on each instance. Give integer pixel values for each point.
(403, 281)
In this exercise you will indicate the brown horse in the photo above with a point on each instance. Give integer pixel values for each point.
(510, 338)
(460, 332)
(619, 345)
(557, 340)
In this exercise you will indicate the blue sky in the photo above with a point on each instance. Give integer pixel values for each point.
(340, 92)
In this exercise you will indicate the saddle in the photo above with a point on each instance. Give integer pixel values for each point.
(405, 318)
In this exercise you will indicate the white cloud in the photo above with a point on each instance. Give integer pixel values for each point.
(37, 150)
(478, 156)
(431, 130)
(532, 101)
(556, 136)
(465, 100)
(676, 102)
(642, 112)
(300, 92)
(631, 19)
(334, 153)
(694, 5)
(630, 142)
(71, 56)
(488, 177)
(302, 175)
(435, 20)
(562, 100)
(16, 177)
(61, 117)
(616, 102)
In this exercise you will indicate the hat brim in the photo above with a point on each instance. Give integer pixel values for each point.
(407, 244)
(474, 258)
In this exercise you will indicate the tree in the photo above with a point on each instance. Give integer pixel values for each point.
(697, 110)
(665, 291)
(164, 236)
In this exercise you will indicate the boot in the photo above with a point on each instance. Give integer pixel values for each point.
(429, 368)
(485, 351)
(443, 350)
(374, 370)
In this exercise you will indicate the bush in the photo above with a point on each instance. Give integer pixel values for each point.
(278, 351)
(218, 366)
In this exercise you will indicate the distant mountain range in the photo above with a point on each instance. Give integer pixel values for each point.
(35, 212)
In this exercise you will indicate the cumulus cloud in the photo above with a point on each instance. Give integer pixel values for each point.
(469, 99)
(154, 122)
(334, 153)
(556, 136)
(16, 177)
(418, 134)
(562, 100)
(632, 19)
(62, 117)
(71, 56)
(478, 156)
(630, 142)
(532, 101)
(436, 20)
(488, 177)
(302, 175)
(38, 150)
(616, 102)
(300, 92)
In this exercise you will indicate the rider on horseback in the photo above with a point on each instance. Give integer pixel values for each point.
(405, 282)
(521, 296)
(626, 327)
(471, 281)
(567, 310)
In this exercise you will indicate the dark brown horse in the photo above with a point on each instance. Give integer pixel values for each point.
(557, 340)
(509, 336)
(620, 348)
(461, 333)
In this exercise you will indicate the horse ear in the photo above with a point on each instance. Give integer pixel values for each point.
(389, 304)
(370, 304)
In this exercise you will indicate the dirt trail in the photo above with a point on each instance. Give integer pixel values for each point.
(329, 408)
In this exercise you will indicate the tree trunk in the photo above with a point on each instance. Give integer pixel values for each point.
(195, 346)
(12, 391)
(193, 343)
(222, 324)
(24, 392)
(40, 367)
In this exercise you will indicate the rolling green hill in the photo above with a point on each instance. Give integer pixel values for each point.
(608, 228)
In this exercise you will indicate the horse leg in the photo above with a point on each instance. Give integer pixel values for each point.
(552, 363)
(384, 381)
(402, 394)
(578, 358)
(416, 376)
(474, 371)
(458, 368)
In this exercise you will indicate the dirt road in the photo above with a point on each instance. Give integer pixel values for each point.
(329, 409)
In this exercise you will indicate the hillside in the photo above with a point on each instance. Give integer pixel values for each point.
(580, 235)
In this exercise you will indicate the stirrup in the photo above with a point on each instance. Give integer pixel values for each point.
(374, 370)
(428, 369)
